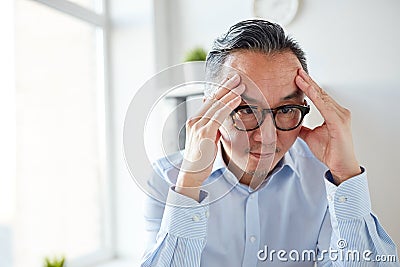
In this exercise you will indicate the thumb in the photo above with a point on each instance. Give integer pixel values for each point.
(304, 132)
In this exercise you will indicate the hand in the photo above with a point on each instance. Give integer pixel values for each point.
(202, 136)
(332, 141)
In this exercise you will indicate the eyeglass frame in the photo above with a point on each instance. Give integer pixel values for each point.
(303, 109)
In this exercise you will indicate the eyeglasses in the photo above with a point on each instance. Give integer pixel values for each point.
(285, 118)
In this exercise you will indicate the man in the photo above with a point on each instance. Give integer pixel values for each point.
(254, 187)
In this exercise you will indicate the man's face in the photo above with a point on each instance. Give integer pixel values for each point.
(257, 152)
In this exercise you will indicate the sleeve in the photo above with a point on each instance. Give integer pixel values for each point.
(356, 236)
(176, 230)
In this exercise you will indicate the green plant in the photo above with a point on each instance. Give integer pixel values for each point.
(196, 54)
(55, 262)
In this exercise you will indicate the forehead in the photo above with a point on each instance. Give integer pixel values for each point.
(268, 77)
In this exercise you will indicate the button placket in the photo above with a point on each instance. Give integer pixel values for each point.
(252, 230)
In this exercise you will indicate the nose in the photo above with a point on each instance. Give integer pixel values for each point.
(266, 133)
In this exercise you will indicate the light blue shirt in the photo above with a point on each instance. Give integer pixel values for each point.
(295, 218)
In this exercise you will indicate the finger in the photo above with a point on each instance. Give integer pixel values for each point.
(221, 104)
(226, 86)
(224, 100)
(218, 116)
(312, 89)
(328, 107)
(211, 96)
(218, 105)
(210, 93)
(320, 93)
(229, 84)
(207, 111)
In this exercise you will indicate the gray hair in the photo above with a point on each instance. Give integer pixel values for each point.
(253, 35)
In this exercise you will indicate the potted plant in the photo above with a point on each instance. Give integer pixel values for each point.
(194, 64)
(54, 262)
(196, 54)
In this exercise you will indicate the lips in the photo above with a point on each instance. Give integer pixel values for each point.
(262, 155)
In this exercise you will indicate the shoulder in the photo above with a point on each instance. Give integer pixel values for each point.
(168, 167)
(164, 174)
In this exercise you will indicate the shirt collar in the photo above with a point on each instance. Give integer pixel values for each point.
(219, 162)
(287, 160)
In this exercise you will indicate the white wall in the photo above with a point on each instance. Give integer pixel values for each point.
(8, 132)
(353, 52)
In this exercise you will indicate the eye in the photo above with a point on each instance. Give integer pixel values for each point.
(286, 110)
(247, 110)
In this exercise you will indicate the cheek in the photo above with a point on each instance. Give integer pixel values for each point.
(233, 139)
(286, 139)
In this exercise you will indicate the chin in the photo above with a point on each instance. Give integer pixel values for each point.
(258, 167)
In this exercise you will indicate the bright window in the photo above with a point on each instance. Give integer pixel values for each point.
(89, 4)
(61, 172)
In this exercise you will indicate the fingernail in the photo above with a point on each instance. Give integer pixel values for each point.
(302, 71)
(234, 77)
(240, 88)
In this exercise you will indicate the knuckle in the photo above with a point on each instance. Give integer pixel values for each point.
(220, 90)
(324, 96)
(191, 122)
(347, 116)
(203, 132)
(196, 127)
(218, 113)
(315, 93)
(216, 104)
(347, 112)
(329, 106)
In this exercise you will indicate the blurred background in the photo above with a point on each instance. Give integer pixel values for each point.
(70, 69)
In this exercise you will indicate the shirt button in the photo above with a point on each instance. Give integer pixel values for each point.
(330, 198)
(342, 199)
(253, 239)
(196, 218)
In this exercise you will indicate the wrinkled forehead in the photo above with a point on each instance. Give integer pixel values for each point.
(269, 79)
(270, 93)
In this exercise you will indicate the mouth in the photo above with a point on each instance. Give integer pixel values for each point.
(261, 155)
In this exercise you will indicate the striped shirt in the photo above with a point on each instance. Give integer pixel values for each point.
(297, 217)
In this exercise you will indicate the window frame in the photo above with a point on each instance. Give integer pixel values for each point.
(98, 17)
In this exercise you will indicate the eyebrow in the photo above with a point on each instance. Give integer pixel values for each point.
(295, 94)
(248, 98)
